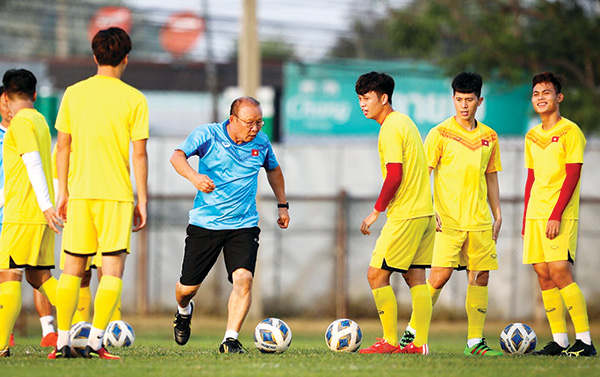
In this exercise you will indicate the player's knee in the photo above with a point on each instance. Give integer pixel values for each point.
(242, 280)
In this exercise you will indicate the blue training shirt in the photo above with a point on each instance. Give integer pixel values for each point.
(234, 170)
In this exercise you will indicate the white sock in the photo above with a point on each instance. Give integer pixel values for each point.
(473, 341)
(584, 337)
(95, 339)
(411, 330)
(63, 339)
(47, 323)
(231, 334)
(562, 338)
(185, 311)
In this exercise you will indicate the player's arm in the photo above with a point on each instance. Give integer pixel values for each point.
(393, 179)
(573, 174)
(35, 171)
(140, 170)
(277, 183)
(493, 190)
(438, 219)
(528, 186)
(201, 182)
(63, 150)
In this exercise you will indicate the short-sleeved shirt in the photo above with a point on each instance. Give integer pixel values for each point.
(28, 132)
(461, 159)
(234, 170)
(103, 115)
(400, 142)
(547, 152)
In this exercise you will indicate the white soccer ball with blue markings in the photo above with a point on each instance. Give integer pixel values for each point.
(118, 334)
(343, 335)
(272, 335)
(79, 335)
(518, 338)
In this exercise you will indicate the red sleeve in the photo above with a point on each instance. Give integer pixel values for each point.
(566, 191)
(392, 181)
(528, 185)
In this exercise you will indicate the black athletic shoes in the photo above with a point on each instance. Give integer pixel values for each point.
(231, 345)
(182, 329)
(551, 349)
(581, 349)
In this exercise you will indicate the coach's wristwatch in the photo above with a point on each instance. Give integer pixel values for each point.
(283, 205)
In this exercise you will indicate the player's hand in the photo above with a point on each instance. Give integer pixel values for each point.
(140, 215)
(552, 229)
(438, 223)
(53, 220)
(368, 221)
(61, 207)
(496, 229)
(203, 183)
(284, 218)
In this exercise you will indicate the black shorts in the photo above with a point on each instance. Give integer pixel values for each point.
(203, 246)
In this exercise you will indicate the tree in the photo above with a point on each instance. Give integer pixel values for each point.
(503, 39)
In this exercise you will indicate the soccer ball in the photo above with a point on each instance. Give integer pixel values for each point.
(343, 335)
(79, 335)
(518, 338)
(272, 335)
(118, 334)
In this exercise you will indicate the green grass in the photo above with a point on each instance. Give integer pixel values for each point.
(156, 354)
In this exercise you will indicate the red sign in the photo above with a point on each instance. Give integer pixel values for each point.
(180, 32)
(107, 17)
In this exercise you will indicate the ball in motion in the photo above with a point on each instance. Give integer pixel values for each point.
(518, 338)
(79, 335)
(118, 334)
(343, 335)
(272, 335)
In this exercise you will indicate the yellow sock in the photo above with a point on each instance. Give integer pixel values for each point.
(48, 289)
(575, 302)
(421, 304)
(66, 300)
(84, 306)
(107, 297)
(476, 304)
(435, 294)
(10, 307)
(555, 310)
(387, 307)
(117, 313)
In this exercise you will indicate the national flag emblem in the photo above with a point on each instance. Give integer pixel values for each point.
(485, 143)
(255, 152)
(554, 139)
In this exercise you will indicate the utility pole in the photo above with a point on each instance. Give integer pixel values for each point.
(61, 30)
(211, 68)
(249, 51)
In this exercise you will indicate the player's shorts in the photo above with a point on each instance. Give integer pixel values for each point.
(459, 249)
(405, 244)
(97, 226)
(26, 246)
(203, 246)
(537, 248)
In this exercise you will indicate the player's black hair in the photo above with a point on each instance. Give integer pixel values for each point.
(235, 105)
(110, 46)
(467, 82)
(19, 82)
(548, 77)
(380, 83)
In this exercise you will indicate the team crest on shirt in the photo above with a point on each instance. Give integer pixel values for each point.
(255, 153)
(554, 139)
(485, 143)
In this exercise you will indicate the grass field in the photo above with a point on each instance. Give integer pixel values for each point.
(156, 354)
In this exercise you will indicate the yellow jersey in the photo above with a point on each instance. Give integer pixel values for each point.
(460, 159)
(547, 152)
(28, 132)
(400, 142)
(103, 115)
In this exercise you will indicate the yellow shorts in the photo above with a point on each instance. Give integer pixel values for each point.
(97, 226)
(473, 250)
(26, 245)
(537, 248)
(405, 244)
